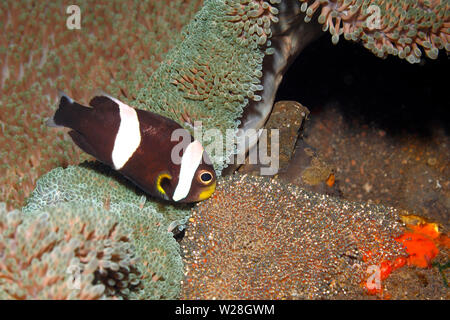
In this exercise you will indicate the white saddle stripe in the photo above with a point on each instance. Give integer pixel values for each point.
(189, 163)
(128, 136)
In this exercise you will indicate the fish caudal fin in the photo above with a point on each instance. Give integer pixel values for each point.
(68, 114)
(51, 123)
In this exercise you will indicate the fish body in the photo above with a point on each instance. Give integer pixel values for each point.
(139, 144)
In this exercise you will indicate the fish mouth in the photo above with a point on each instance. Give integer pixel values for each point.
(203, 194)
(207, 192)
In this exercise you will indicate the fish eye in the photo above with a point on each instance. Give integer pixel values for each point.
(205, 177)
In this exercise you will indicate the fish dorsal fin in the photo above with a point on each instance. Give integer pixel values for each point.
(103, 100)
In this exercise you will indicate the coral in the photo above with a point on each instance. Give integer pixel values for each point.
(39, 54)
(402, 27)
(259, 239)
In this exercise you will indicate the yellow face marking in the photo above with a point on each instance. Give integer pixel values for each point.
(158, 182)
(208, 192)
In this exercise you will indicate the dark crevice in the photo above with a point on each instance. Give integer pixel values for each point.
(389, 93)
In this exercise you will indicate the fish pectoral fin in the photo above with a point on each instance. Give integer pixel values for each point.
(81, 141)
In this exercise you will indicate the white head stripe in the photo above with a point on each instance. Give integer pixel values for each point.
(189, 163)
(128, 136)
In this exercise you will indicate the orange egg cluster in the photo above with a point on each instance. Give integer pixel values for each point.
(421, 240)
(420, 245)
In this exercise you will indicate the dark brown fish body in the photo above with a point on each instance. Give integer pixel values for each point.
(139, 145)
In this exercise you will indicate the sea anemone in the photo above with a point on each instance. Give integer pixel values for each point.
(396, 27)
(69, 252)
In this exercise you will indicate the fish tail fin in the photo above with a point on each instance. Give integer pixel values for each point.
(68, 113)
(51, 123)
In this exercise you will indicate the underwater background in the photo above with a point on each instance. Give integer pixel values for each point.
(378, 127)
